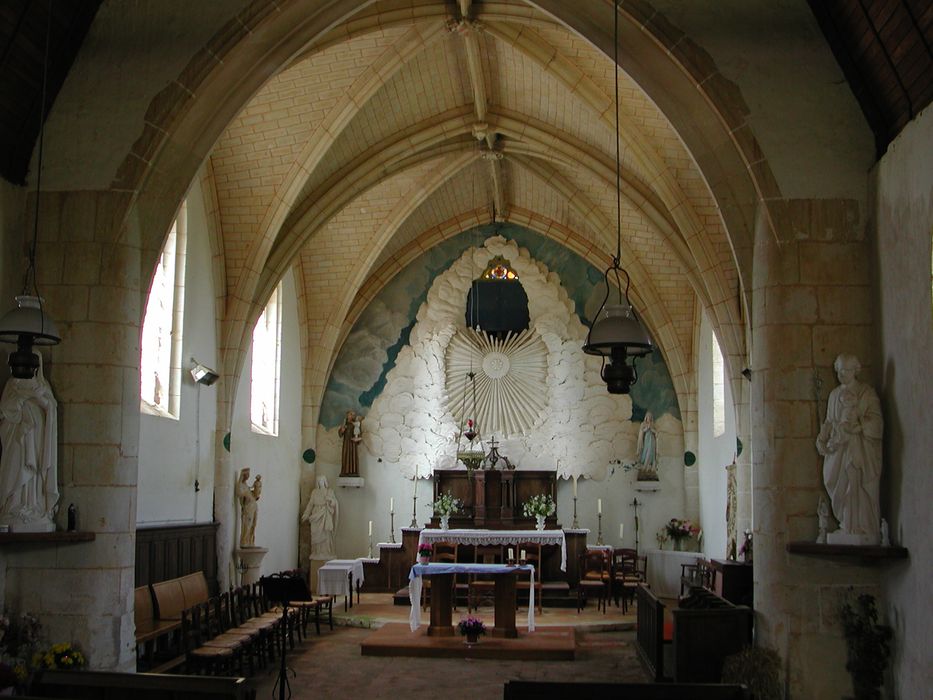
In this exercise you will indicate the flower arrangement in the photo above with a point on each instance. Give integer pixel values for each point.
(868, 646)
(471, 626)
(63, 656)
(542, 504)
(447, 504)
(677, 529)
(424, 550)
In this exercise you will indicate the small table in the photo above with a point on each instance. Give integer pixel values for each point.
(498, 537)
(341, 577)
(442, 603)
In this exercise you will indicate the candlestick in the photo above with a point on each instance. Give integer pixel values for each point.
(575, 525)
(414, 510)
(599, 506)
(392, 527)
(599, 535)
(575, 487)
(370, 540)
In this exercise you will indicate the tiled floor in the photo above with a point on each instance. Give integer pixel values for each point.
(330, 665)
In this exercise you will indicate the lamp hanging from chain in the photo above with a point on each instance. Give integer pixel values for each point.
(616, 333)
(28, 324)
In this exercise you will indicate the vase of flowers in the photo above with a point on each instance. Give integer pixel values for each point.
(539, 507)
(679, 530)
(424, 553)
(471, 628)
(444, 506)
(63, 657)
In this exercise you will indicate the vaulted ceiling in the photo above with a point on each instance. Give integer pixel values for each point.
(399, 129)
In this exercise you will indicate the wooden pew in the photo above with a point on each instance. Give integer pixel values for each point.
(650, 639)
(707, 629)
(106, 685)
(541, 690)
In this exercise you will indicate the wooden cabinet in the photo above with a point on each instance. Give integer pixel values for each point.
(733, 581)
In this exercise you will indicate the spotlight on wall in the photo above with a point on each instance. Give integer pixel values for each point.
(747, 373)
(201, 374)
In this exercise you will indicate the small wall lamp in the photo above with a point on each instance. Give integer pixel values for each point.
(202, 374)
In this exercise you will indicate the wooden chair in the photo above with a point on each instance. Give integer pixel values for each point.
(533, 557)
(446, 553)
(483, 587)
(698, 575)
(595, 578)
(201, 656)
(625, 576)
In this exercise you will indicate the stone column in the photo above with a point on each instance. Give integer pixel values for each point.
(811, 301)
(84, 592)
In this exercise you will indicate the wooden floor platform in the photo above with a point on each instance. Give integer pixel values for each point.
(544, 644)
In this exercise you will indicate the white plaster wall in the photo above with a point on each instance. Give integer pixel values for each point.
(277, 459)
(904, 220)
(713, 453)
(776, 54)
(175, 453)
(583, 426)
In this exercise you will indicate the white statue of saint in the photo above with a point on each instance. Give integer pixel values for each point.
(647, 449)
(29, 463)
(850, 442)
(321, 513)
(248, 497)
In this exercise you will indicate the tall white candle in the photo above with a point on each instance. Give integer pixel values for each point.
(416, 483)
(599, 506)
(574, 487)
(391, 504)
(370, 528)
(621, 531)
(522, 555)
(511, 554)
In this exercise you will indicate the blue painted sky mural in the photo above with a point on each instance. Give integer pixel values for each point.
(383, 328)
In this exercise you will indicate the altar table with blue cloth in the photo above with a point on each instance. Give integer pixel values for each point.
(497, 537)
(442, 602)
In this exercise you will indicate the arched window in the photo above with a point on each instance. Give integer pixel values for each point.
(719, 389)
(265, 380)
(160, 351)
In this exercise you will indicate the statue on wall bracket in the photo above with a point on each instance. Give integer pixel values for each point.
(850, 443)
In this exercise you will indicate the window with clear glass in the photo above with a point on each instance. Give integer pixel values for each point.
(160, 347)
(264, 386)
(719, 390)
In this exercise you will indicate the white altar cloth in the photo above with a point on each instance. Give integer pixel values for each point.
(664, 570)
(500, 537)
(333, 578)
(419, 570)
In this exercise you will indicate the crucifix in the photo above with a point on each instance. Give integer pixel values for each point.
(635, 504)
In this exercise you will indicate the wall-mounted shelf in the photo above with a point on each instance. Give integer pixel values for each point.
(44, 537)
(866, 552)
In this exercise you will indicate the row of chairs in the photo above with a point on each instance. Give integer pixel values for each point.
(477, 588)
(610, 574)
(235, 632)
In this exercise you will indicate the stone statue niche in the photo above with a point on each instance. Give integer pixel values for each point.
(850, 443)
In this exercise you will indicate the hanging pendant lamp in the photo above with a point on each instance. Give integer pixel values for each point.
(28, 324)
(616, 334)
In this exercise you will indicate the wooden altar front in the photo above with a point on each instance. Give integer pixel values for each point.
(493, 499)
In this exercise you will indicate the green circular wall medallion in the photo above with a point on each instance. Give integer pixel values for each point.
(690, 459)
(227, 442)
(309, 456)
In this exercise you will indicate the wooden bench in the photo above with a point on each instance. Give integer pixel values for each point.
(106, 685)
(158, 619)
(542, 690)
